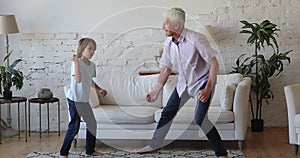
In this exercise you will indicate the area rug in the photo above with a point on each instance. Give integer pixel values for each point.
(160, 154)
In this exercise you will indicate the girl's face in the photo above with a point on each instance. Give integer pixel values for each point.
(88, 51)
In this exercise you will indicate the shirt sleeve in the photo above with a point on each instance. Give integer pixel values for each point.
(94, 71)
(165, 59)
(75, 91)
(204, 48)
(72, 69)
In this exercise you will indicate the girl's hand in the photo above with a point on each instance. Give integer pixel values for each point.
(102, 92)
(74, 58)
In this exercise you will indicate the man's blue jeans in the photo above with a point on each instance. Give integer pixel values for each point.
(169, 112)
(86, 112)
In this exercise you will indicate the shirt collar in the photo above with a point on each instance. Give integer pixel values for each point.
(181, 37)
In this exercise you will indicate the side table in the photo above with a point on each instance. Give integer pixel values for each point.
(40, 102)
(15, 100)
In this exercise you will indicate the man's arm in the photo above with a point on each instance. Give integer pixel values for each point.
(164, 75)
(203, 94)
(162, 79)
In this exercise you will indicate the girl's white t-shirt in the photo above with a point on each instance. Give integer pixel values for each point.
(79, 92)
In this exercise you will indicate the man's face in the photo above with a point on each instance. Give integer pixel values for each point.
(168, 27)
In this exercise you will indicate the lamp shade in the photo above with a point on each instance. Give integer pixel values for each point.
(8, 24)
(210, 31)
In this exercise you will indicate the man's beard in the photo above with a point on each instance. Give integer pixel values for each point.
(169, 33)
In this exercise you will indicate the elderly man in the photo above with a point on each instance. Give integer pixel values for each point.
(189, 53)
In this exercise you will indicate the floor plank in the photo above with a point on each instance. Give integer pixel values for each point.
(272, 142)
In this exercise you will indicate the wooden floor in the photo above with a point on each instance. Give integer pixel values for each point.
(271, 143)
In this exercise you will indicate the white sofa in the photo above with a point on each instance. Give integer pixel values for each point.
(125, 114)
(292, 93)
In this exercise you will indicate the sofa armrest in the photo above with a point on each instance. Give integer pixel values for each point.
(240, 108)
(292, 100)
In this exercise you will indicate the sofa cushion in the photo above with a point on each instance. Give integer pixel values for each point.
(228, 79)
(168, 90)
(127, 90)
(94, 98)
(124, 114)
(297, 120)
(226, 97)
(223, 80)
(186, 115)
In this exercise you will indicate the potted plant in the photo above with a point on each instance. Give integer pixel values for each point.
(260, 68)
(9, 76)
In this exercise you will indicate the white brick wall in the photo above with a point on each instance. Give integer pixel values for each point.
(47, 55)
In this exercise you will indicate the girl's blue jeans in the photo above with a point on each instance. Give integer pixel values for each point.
(83, 110)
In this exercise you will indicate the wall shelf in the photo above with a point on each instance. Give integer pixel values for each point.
(144, 73)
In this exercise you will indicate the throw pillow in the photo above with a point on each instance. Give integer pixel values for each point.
(94, 98)
(226, 97)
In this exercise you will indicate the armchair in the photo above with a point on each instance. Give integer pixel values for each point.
(292, 95)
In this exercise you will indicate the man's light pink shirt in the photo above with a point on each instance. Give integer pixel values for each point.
(189, 57)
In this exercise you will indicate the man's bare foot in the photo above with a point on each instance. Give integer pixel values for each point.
(145, 150)
(96, 153)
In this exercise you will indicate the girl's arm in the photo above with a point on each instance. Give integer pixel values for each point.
(77, 74)
(99, 90)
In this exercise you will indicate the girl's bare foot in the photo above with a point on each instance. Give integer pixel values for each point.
(96, 153)
(224, 156)
(146, 150)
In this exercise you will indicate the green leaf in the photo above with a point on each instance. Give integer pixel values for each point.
(246, 31)
(251, 39)
(15, 63)
(270, 26)
(7, 56)
(244, 22)
(257, 66)
(264, 23)
(9, 76)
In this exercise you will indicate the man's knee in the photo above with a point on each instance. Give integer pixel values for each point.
(168, 115)
(199, 121)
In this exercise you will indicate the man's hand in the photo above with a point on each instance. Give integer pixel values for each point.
(203, 95)
(153, 95)
(162, 79)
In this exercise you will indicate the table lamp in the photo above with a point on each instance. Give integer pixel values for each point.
(210, 31)
(8, 25)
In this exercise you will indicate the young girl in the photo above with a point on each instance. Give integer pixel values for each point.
(82, 72)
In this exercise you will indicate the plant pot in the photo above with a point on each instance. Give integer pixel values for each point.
(7, 95)
(257, 125)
